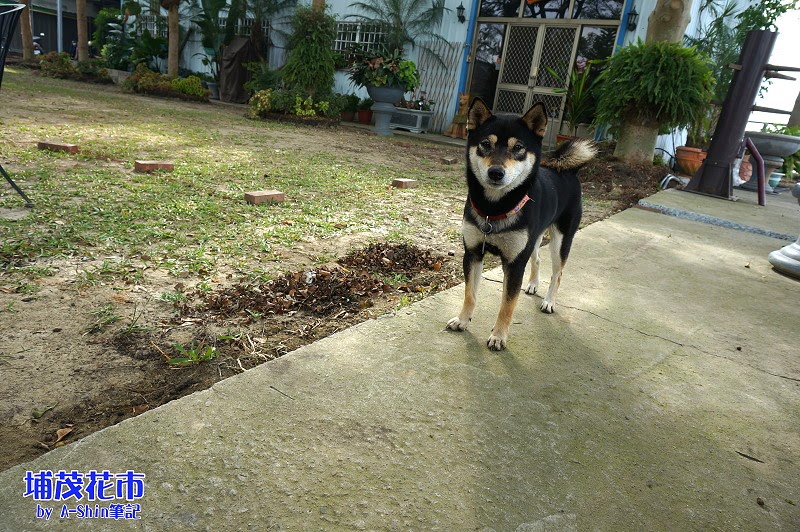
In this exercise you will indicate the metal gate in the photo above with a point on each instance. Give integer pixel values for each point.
(524, 79)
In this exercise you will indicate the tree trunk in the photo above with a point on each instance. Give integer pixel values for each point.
(794, 118)
(83, 31)
(27, 32)
(668, 21)
(636, 143)
(173, 51)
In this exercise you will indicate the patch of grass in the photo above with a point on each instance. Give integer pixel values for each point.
(104, 317)
(193, 221)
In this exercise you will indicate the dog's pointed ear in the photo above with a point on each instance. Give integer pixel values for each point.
(536, 119)
(479, 113)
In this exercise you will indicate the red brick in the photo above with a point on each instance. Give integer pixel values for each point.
(404, 183)
(57, 146)
(264, 196)
(152, 166)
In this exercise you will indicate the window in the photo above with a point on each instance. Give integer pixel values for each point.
(244, 28)
(349, 35)
(156, 25)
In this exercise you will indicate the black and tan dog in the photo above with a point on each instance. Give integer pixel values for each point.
(512, 200)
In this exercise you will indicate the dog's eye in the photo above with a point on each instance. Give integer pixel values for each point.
(518, 148)
(486, 145)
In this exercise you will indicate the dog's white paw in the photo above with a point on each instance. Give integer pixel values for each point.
(495, 343)
(547, 306)
(532, 288)
(457, 324)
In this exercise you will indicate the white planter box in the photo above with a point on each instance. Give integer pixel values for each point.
(411, 120)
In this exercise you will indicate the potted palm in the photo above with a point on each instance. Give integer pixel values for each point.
(580, 106)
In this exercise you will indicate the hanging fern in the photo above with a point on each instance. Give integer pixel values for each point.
(655, 83)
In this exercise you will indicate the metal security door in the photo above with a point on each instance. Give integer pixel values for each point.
(524, 78)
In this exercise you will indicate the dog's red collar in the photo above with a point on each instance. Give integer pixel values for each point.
(509, 214)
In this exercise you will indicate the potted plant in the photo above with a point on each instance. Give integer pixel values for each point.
(414, 115)
(647, 87)
(365, 111)
(349, 107)
(387, 76)
(580, 105)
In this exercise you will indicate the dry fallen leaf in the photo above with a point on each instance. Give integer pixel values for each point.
(63, 433)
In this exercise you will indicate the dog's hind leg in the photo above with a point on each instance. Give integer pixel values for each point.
(533, 279)
(559, 251)
(473, 269)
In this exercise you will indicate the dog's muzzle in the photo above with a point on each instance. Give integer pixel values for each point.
(496, 173)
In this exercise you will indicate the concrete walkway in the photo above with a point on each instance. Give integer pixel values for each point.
(663, 394)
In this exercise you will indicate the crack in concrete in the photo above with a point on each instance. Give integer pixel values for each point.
(675, 342)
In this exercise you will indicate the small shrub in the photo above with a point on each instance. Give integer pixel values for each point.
(261, 103)
(93, 70)
(58, 65)
(145, 81)
(191, 86)
(263, 78)
(283, 101)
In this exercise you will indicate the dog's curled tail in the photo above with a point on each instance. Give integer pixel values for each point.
(571, 155)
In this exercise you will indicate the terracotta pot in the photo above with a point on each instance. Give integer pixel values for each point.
(348, 116)
(746, 168)
(364, 116)
(563, 138)
(689, 159)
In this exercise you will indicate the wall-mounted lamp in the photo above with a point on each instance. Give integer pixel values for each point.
(460, 13)
(633, 19)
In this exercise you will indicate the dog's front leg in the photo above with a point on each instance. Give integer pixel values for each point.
(473, 269)
(512, 283)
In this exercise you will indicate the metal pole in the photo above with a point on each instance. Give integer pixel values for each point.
(714, 175)
(59, 26)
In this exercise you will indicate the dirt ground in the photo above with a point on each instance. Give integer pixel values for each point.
(67, 372)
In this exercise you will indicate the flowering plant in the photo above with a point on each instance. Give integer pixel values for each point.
(386, 69)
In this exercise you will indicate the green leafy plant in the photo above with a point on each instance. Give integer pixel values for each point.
(310, 64)
(59, 65)
(389, 69)
(206, 20)
(262, 77)
(349, 102)
(366, 103)
(193, 354)
(149, 49)
(191, 86)
(145, 81)
(656, 83)
(580, 105)
(118, 46)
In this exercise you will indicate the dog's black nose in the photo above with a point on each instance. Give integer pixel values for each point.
(496, 173)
